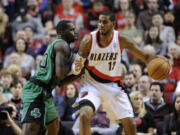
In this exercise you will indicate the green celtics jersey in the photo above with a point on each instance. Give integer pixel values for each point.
(46, 70)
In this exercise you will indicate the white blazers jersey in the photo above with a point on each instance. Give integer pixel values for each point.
(104, 61)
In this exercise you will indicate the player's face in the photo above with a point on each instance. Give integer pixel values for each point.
(71, 33)
(105, 25)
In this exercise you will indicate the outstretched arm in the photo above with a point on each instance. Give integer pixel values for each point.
(133, 47)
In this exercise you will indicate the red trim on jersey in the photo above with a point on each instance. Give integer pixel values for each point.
(119, 42)
(101, 75)
(107, 43)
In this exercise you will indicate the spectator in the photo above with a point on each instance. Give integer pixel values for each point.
(174, 51)
(16, 90)
(153, 39)
(16, 72)
(171, 124)
(49, 37)
(130, 81)
(136, 70)
(13, 58)
(8, 125)
(130, 30)
(123, 8)
(144, 120)
(143, 86)
(59, 103)
(93, 13)
(19, 34)
(69, 12)
(144, 20)
(6, 79)
(32, 43)
(33, 8)
(70, 97)
(3, 99)
(172, 82)
(178, 39)
(26, 20)
(4, 20)
(156, 105)
(167, 33)
(169, 18)
(37, 61)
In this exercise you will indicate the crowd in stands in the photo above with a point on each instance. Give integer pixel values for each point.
(27, 27)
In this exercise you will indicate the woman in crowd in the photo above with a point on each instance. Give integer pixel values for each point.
(144, 121)
(172, 121)
(70, 97)
(26, 61)
(153, 39)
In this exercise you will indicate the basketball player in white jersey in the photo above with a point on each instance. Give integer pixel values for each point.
(102, 81)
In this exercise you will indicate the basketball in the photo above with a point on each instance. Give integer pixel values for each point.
(158, 68)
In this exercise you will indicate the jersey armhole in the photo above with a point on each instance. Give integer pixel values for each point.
(119, 42)
(90, 43)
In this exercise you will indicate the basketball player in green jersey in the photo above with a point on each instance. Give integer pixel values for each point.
(39, 111)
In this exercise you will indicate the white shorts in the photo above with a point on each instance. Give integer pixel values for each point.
(117, 100)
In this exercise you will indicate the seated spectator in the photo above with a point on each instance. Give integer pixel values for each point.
(33, 8)
(58, 101)
(37, 61)
(16, 90)
(33, 43)
(70, 97)
(123, 8)
(130, 81)
(93, 14)
(19, 34)
(167, 33)
(130, 30)
(7, 123)
(136, 69)
(3, 99)
(154, 40)
(26, 61)
(169, 18)
(26, 20)
(71, 13)
(178, 39)
(16, 71)
(49, 37)
(171, 124)
(172, 82)
(144, 19)
(143, 86)
(174, 51)
(144, 120)
(6, 79)
(12, 58)
(156, 105)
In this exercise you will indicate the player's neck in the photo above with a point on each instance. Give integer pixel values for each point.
(105, 39)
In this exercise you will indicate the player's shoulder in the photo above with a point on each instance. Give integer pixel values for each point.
(61, 45)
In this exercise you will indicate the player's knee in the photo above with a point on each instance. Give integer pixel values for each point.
(86, 113)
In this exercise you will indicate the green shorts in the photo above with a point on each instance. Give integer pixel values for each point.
(38, 105)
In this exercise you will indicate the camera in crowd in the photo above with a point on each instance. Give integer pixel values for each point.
(3, 115)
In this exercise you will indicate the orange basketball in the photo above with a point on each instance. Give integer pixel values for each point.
(158, 68)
